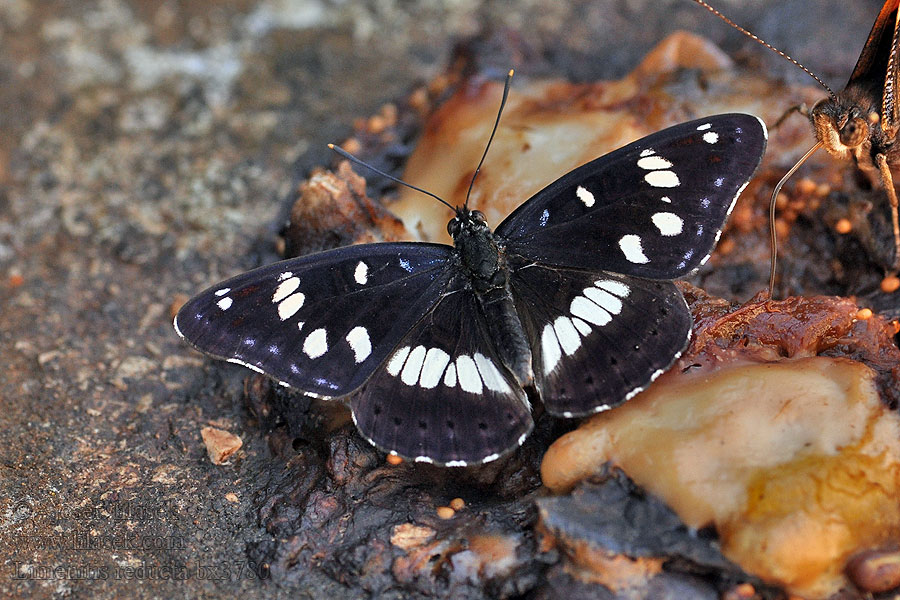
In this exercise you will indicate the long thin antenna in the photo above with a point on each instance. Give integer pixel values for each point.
(352, 158)
(766, 44)
(509, 77)
(773, 241)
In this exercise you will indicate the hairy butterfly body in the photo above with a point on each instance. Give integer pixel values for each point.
(434, 346)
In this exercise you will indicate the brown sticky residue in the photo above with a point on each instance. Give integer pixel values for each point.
(334, 210)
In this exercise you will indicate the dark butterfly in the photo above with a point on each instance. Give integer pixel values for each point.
(862, 120)
(434, 346)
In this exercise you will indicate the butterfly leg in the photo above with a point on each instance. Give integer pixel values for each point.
(888, 181)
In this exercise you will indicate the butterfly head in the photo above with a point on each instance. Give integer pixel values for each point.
(842, 124)
(467, 223)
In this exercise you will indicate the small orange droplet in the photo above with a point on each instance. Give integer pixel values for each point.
(782, 228)
(843, 226)
(890, 284)
(377, 124)
(806, 186)
(393, 459)
(457, 504)
(864, 314)
(352, 145)
(445, 512)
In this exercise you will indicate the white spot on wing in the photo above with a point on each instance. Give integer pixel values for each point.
(397, 360)
(550, 350)
(290, 305)
(545, 216)
(433, 367)
(413, 366)
(491, 376)
(359, 341)
(315, 344)
(630, 245)
(710, 137)
(224, 303)
(285, 288)
(361, 275)
(583, 328)
(704, 127)
(222, 292)
(589, 311)
(467, 371)
(450, 376)
(285, 275)
(662, 179)
(669, 224)
(666, 199)
(652, 163)
(585, 196)
(648, 152)
(604, 299)
(568, 336)
(613, 287)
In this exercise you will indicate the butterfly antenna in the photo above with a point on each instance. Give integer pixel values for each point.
(773, 241)
(363, 163)
(766, 44)
(509, 77)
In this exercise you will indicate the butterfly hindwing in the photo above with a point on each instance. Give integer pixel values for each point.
(320, 323)
(654, 208)
(597, 337)
(443, 395)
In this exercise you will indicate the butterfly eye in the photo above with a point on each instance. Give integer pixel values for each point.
(453, 227)
(854, 132)
(478, 216)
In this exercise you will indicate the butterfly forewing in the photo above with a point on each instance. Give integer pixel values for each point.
(597, 337)
(654, 208)
(319, 323)
(443, 396)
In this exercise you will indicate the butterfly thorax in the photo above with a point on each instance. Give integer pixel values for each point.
(482, 257)
(476, 245)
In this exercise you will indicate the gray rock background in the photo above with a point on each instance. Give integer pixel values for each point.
(149, 148)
